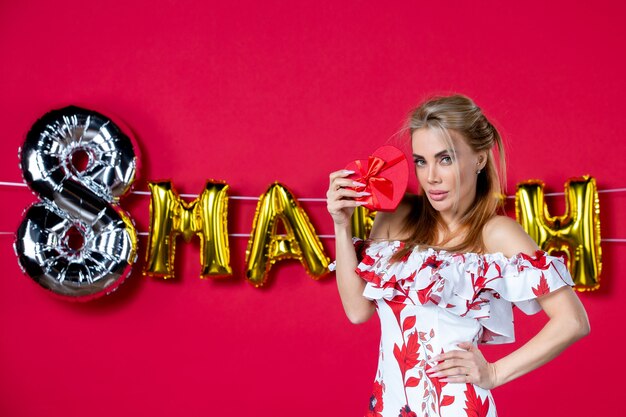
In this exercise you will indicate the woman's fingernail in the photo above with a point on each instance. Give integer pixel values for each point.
(361, 203)
(431, 370)
(357, 184)
(348, 172)
(362, 193)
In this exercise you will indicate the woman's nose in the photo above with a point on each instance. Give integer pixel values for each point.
(433, 174)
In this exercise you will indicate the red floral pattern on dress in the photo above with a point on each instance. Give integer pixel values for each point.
(396, 308)
(360, 246)
(431, 262)
(538, 261)
(475, 406)
(368, 260)
(376, 401)
(424, 295)
(542, 288)
(406, 412)
(371, 276)
(430, 301)
(410, 356)
(470, 285)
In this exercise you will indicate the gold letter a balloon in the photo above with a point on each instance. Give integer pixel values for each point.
(266, 247)
(576, 233)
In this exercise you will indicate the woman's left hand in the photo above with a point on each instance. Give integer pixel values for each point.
(465, 366)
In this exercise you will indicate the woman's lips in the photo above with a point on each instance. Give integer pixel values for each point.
(437, 195)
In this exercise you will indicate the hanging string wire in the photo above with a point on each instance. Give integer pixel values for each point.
(240, 197)
(139, 192)
(311, 199)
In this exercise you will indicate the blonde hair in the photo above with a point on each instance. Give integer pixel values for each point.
(456, 114)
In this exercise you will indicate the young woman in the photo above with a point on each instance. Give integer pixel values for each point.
(443, 272)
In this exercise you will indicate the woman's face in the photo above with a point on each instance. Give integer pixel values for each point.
(436, 166)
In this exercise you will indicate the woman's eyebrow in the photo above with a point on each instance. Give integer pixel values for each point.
(438, 154)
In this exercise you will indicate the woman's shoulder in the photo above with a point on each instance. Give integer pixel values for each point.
(502, 234)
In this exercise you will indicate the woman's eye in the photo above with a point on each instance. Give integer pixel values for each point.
(419, 162)
(446, 160)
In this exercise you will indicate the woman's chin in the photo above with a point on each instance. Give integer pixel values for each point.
(440, 205)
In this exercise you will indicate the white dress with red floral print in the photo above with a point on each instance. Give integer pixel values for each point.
(431, 300)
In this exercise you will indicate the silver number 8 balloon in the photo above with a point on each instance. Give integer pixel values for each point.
(77, 241)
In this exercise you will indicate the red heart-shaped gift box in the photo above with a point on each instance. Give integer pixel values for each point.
(385, 175)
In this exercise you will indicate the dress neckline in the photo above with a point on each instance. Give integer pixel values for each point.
(443, 252)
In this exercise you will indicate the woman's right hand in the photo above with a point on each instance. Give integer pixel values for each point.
(340, 200)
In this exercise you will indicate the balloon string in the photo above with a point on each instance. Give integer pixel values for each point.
(241, 197)
(610, 190)
(138, 192)
(22, 185)
(231, 235)
(612, 240)
(12, 184)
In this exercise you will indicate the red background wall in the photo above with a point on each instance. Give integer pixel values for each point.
(260, 91)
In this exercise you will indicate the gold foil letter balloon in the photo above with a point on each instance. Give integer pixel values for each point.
(266, 247)
(362, 222)
(576, 233)
(206, 216)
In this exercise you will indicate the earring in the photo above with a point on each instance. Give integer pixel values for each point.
(478, 172)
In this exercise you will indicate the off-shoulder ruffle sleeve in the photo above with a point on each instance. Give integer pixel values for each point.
(478, 286)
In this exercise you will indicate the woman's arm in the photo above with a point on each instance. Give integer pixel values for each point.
(341, 204)
(567, 323)
(358, 308)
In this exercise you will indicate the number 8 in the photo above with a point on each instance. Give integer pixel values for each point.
(77, 241)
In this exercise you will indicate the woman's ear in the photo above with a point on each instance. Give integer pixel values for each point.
(482, 160)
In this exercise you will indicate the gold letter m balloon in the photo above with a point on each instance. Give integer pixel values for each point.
(266, 247)
(576, 233)
(205, 216)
